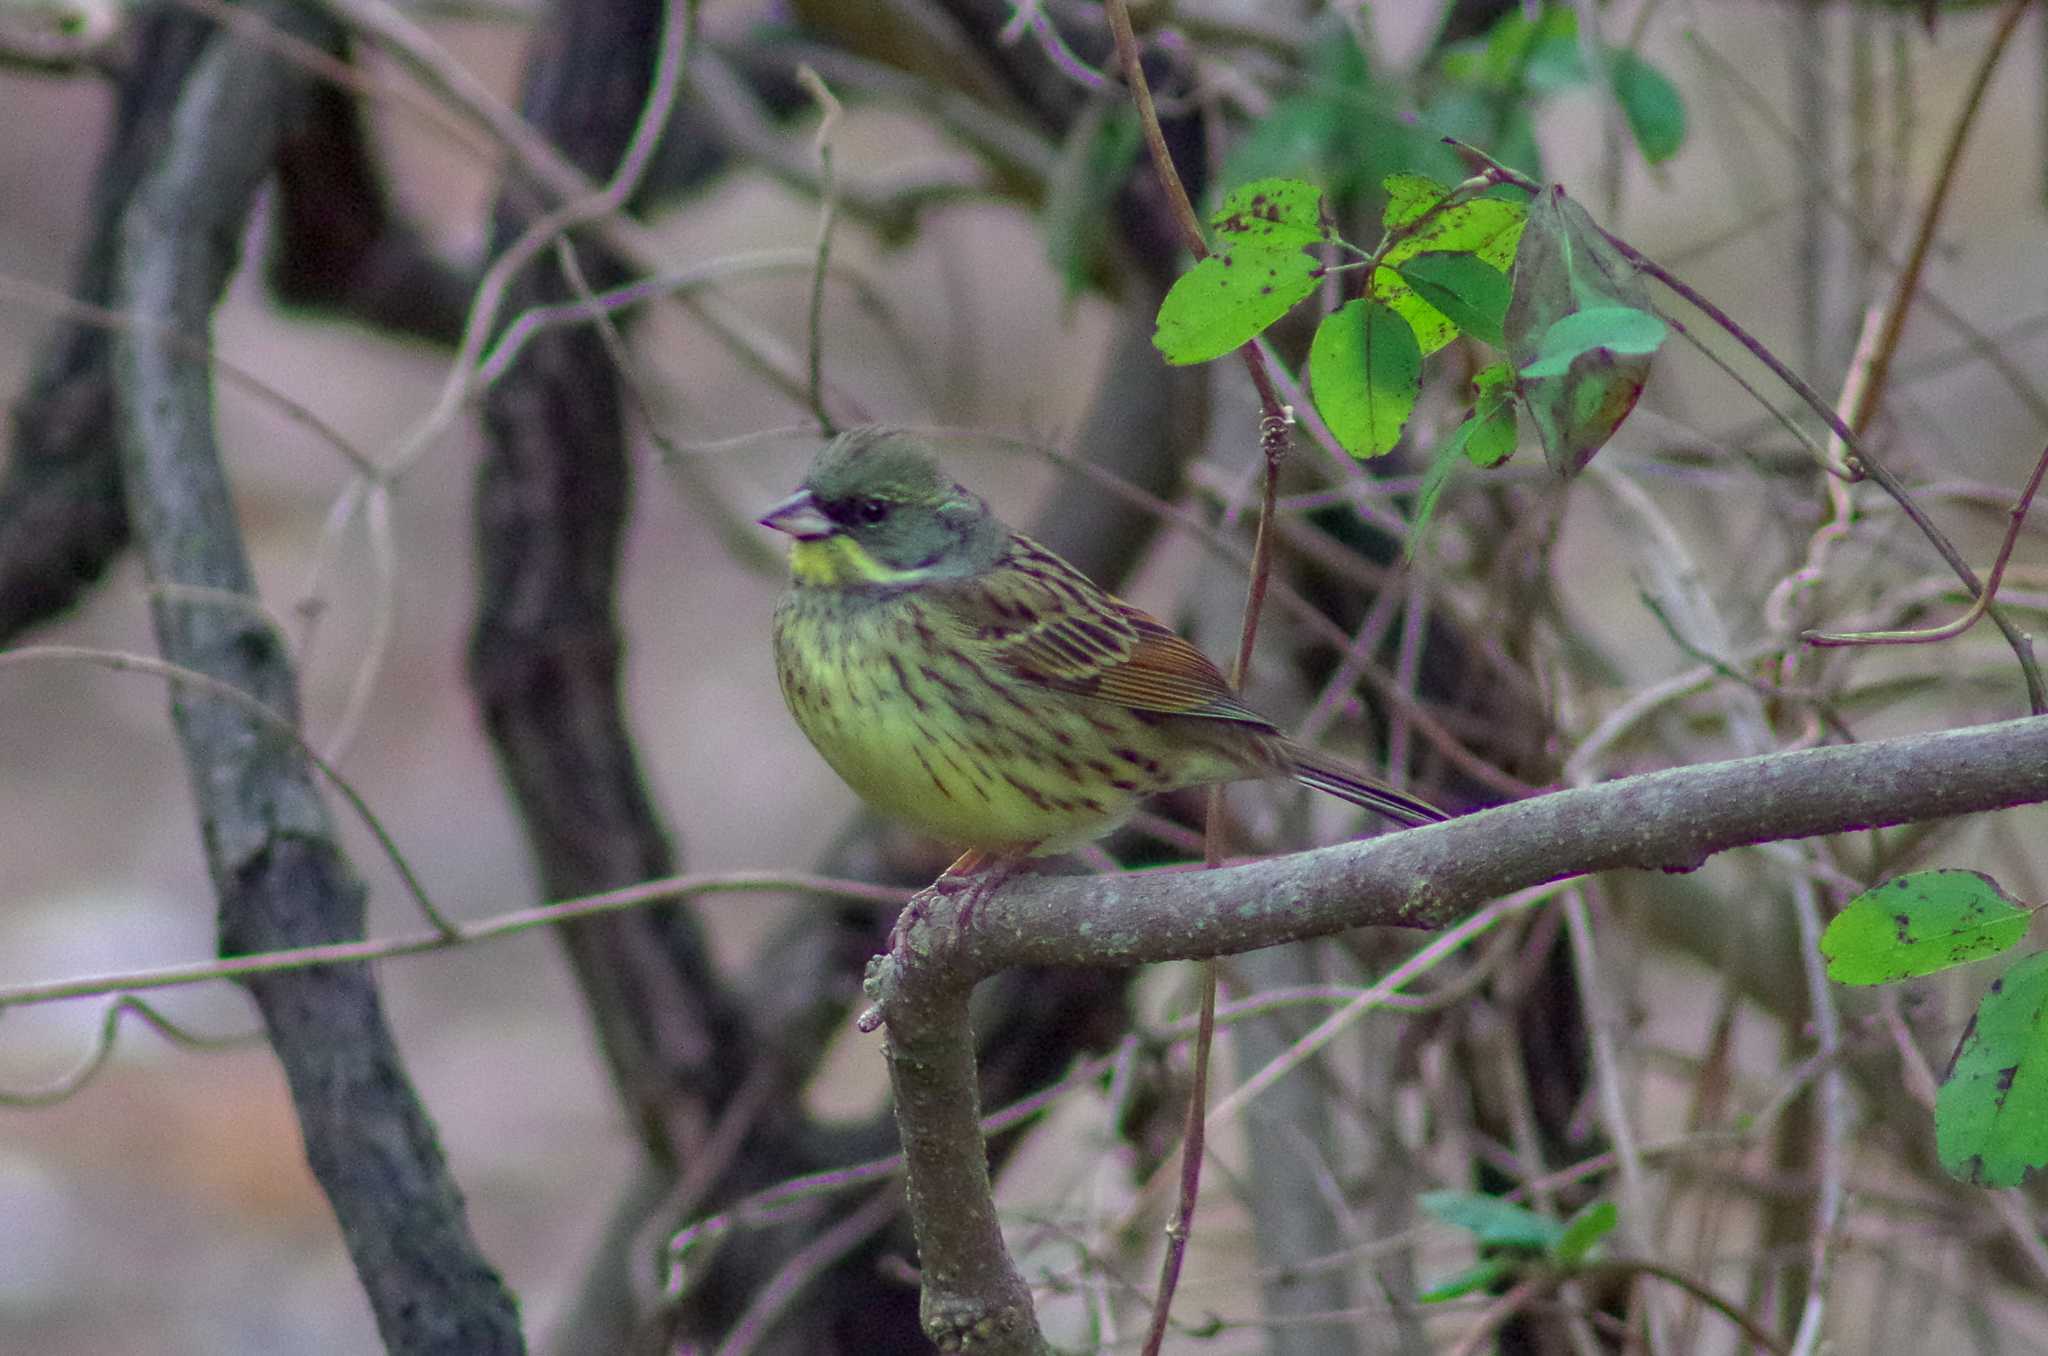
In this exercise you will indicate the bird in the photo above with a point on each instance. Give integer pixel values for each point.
(968, 682)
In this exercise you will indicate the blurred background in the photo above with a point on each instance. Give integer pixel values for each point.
(166, 1206)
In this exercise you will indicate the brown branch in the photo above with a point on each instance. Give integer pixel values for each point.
(1901, 304)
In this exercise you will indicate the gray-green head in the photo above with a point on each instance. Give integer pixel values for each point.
(882, 492)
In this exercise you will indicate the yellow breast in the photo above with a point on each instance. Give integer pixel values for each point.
(888, 690)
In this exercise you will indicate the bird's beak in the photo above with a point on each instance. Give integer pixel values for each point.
(798, 515)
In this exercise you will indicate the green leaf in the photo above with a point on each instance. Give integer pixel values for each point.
(1365, 371)
(1618, 329)
(1408, 197)
(1227, 299)
(1486, 438)
(1494, 1222)
(1256, 275)
(1270, 214)
(1340, 128)
(1442, 463)
(1556, 61)
(1501, 60)
(1651, 105)
(1583, 1232)
(1432, 328)
(1496, 437)
(1991, 1116)
(1564, 265)
(1492, 384)
(1472, 1280)
(1470, 292)
(1919, 924)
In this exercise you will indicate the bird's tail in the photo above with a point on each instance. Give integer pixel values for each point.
(1314, 768)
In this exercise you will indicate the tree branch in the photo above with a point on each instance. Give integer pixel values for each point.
(280, 877)
(1669, 821)
(338, 242)
(61, 515)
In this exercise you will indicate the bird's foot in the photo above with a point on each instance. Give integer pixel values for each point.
(978, 875)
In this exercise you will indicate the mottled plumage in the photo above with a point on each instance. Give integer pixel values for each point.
(966, 680)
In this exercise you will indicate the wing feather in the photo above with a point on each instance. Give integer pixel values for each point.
(1041, 620)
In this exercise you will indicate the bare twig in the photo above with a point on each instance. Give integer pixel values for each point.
(784, 1287)
(1978, 606)
(667, 890)
(1859, 462)
(828, 214)
(1273, 426)
(179, 675)
(49, 1094)
(1673, 1276)
(1930, 216)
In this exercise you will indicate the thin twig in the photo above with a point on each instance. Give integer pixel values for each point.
(1382, 994)
(1608, 1075)
(678, 29)
(52, 302)
(179, 676)
(668, 889)
(1978, 605)
(537, 319)
(1930, 217)
(804, 1266)
(828, 215)
(1831, 1121)
(1859, 462)
(1273, 426)
(1720, 1304)
(49, 1094)
(1518, 1298)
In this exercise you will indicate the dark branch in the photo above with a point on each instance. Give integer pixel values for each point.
(339, 244)
(280, 878)
(61, 515)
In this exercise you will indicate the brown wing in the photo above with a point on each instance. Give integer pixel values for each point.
(1045, 622)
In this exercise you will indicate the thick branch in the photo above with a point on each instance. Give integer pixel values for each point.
(1661, 821)
(280, 878)
(339, 243)
(1429, 877)
(61, 515)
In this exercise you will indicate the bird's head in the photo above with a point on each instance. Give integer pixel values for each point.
(877, 510)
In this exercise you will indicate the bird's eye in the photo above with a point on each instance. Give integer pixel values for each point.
(871, 510)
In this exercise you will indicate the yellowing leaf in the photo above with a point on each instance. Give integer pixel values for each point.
(1409, 196)
(1433, 329)
(1487, 227)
